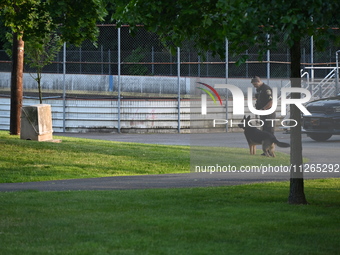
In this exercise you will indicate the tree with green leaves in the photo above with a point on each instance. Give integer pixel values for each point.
(245, 24)
(74, 20)
(136, 56)
(39, 54)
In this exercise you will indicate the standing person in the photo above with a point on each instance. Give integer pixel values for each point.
(264, 101)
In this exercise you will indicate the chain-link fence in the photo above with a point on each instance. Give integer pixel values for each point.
(124, 67)
(143, 55)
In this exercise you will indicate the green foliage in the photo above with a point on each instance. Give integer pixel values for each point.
(40, 53)
(247, 219)
(29, 17)
(244, 23)
(137, 55)
(75, 20)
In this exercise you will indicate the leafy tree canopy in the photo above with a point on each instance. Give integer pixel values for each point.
(75, 20)
(245, 23)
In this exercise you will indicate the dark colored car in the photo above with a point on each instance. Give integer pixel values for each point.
(325, 119)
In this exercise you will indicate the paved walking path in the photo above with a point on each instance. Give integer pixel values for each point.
(326, 152)
(137, 182)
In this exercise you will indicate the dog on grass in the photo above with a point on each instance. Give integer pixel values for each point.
(255, 137)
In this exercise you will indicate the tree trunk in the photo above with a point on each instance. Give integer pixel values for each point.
(296, 194)
(16, 84)
(39, 84)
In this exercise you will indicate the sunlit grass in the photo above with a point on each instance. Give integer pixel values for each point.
(247, 219)
(23, 161)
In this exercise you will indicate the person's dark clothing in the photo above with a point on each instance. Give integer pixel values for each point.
(263, 95)
(267, 125)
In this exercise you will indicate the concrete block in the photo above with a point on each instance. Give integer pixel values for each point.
(36, 122)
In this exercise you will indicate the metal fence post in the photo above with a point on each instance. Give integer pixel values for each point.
(119, 66)
(64, 88)
(199, 66)
(268, 60)
(152, 60)
(312, 57)
(226, 77)
(247, 65)
(80, 60)
(179, 88)
(102, 59)
(337, 72)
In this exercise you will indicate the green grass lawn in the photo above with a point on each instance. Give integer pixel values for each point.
(23, 161)
(248, 219)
